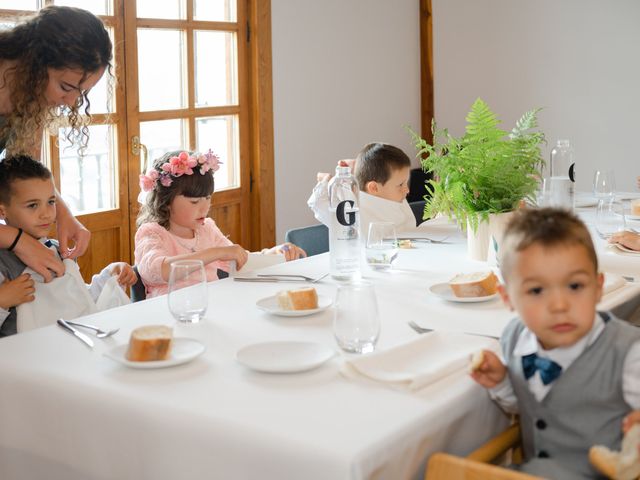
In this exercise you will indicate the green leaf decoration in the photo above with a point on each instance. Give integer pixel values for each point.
(485, 171)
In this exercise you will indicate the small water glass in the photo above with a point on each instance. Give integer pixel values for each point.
(382, 245)
(604, 184)
(356, 323)
(187, 290)
(609, 218)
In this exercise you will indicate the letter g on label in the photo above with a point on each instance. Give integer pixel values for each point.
(350, 217)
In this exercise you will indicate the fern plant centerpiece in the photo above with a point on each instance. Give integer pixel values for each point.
(486, 171)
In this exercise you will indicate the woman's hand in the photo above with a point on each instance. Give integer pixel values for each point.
(626, 239)
(125, 273)
(73, 237)
(491, 371)
(38, 257)
(16, 292)
(289, 250)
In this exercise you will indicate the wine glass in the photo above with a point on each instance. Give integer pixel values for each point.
(187, 290)
(356, 323)
(604, 184)
(609, 218)
(382, 245)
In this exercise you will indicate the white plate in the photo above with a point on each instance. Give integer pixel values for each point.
(625, 249)
(183, 350)
(284, 357)
(270, 305)
(443, 290)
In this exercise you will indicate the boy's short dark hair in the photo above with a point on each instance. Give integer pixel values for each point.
(376, 162)
(549, 227)
(19, 167)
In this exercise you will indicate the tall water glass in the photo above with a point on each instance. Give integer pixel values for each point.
(187, 290)
(609, 218)
(382, 245)
(604, 184)
(356, 323)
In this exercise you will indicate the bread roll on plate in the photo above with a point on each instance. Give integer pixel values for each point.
(477, 284)
(622, 465)
(150, 343)
(298, 299)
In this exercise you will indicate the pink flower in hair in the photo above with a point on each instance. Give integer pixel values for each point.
(148, 181)
(181, 165)
(209, 161)
(166, 180)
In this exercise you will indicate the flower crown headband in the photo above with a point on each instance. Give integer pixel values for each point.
(182, 164)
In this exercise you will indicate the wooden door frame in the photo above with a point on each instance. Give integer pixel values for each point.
(426, 70)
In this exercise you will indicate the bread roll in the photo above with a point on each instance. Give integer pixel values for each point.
(298, 299)
(478, 284)
(635, 207)
(477, 359)
(623, 465)
(150, 343)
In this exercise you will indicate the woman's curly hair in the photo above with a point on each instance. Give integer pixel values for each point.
(157, 206)
(55, 37)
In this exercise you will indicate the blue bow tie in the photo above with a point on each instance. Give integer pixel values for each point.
(549, 370)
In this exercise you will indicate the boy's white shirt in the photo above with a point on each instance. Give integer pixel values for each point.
(372, 209)
(564, 356)
(103, 293)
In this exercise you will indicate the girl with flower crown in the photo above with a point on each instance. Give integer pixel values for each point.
(173, 223)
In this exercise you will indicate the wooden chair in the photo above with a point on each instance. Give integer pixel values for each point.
(476, 466)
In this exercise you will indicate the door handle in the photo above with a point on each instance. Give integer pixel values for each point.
(139, 148)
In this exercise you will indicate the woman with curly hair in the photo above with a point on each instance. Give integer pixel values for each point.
(48, 63)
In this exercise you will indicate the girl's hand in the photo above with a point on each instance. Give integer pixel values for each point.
(630, 420)
(490, 372)
(38, 257)
(71, 232)
(16, 292)
(235, 253)
(626, 239)
(289, 250)
(125, 273)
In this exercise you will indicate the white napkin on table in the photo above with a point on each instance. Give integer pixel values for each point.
(421, 362)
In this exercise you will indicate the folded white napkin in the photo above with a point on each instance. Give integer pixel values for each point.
(421, 362)
(612, 283)
(256, 261)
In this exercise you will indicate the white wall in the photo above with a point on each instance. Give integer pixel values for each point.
(578, 59)
(345, 73)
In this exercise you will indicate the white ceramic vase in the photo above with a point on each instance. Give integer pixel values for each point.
(478, 241)
(497, 225)
(484, 243)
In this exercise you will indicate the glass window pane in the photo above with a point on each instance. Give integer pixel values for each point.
(216, 68)
(162, 136)
(102, 96)
(19, 4)
(174, 9)
(97, 7)
(220, 134)
(161, 69)
(88, 183)
(215, 10)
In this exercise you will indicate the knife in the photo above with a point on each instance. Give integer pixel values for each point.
(84, 338)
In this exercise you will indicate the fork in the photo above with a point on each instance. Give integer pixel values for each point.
(421, 330)
(99, 332)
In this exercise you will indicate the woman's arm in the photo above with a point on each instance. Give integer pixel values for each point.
(70, 231)
(32, 253)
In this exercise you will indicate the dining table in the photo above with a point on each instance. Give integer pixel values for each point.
(69, 412)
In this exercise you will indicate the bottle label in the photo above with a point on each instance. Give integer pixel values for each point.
(345, 213)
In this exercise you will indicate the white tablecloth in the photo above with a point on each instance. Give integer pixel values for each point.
(68, 412)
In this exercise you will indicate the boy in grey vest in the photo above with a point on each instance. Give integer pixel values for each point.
(570, 372)
(28, 202)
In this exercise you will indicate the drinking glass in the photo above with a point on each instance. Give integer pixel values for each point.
(187, 290)
(604, 184)
(609, 218)
(356, 323)
(382, 245)
(543, 194)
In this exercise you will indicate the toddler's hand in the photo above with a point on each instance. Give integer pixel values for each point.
(322, 176)
(289, 250)
(490, 372)
(627, 239)
(16, 292)
(630, 420)
(125, 273)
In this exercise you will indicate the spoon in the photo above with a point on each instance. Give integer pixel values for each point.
(99, 332)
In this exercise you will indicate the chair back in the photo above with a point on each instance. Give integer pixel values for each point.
(418, 210)
(313, 239)
(138, 290)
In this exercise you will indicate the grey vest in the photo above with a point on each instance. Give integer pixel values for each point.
(584, 406)
(11, 267)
